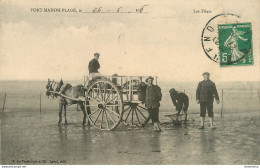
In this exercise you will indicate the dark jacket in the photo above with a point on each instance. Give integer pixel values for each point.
(93, 66)
(153, 96)
(178, 97)
(206, 91)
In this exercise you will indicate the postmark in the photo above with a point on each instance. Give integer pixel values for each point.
(209, 37)
(235, 44)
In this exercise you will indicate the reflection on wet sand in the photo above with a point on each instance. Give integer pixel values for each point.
(155, 143)
(63, 132)
(118, 147)
(207, 146)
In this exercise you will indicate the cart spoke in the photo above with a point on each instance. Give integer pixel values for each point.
(127, 109)
(142, 107)
(94, 112)
(106, 118)
(132, 116)
(110, 116)
(112, 99)
(137, 116)
(102, 119)
(97, 94)
(97, 117)
(116, 105)
(94, 99)
(105, 90)
(128, 115)
(141, 113)
(113, 112)
(108, 96)
(100, 90)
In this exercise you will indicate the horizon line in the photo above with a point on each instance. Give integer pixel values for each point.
(39, 80)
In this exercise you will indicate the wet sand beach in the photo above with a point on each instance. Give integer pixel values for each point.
(33, 138)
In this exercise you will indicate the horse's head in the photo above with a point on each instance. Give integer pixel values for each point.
(49, 87)
(53, 86)
(57, 89)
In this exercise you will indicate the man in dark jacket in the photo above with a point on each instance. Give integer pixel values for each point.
(205, 94)
(94, 65)
(153, 97)
(180, 101)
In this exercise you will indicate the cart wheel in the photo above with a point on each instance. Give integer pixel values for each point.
(134, 114)
(105, 104)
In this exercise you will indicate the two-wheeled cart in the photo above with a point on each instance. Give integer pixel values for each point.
(114, 99)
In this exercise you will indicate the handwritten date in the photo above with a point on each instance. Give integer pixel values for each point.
(99, 9)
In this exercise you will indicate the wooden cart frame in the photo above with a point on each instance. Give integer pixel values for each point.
(113, 100)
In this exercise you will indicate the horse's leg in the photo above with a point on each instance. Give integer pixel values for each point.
(178, 115)
(84, 112)
(65, 113)
(186, 115)
(60, 111)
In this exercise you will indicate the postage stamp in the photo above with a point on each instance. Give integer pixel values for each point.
(209, 37)
(235, 44)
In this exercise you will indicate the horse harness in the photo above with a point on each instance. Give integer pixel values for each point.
(63, 91)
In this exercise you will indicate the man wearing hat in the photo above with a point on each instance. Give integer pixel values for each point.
(94, 65)
(153, 97)
(205, 93)
(181, 101)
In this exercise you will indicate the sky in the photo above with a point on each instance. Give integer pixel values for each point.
(164, 41)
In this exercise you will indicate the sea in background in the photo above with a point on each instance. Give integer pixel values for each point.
(237, 96)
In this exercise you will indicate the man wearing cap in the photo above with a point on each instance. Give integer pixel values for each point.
(205, 93)
(181, 101)
(153, 97)
(94, 65)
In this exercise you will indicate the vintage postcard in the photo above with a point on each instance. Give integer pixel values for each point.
(96, 82)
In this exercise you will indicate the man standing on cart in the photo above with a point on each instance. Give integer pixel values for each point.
(152, 102)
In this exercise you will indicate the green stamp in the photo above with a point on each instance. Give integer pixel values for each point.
(235, 44)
